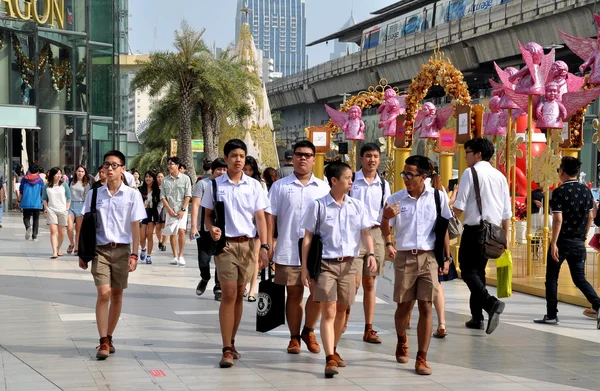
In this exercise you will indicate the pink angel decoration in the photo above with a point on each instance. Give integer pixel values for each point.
(532, 77)
(505, 102)
(567, 82)
(494, 122)
(429, 120)
(390, 110)
(350, 122)
(587, 50)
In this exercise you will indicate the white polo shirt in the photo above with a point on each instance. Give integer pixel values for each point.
(414, 226)
(241, 202)
(370, 194)
(289, 200)
(340, 225)
(495, 198)
(115, 213)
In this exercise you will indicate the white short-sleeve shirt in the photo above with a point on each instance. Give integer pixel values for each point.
(370, 194)
(340, 225)
(115, 213)
(414, 226)
(289, 200)
(241, 202)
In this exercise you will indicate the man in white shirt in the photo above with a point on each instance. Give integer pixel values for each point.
(289, 198)
(343, 224)
(373, 191)
(496, 208)
(413, 213)
(119, 212)
(243, 199)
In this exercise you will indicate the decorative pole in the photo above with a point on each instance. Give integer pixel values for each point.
(529, 176)
(507, 168)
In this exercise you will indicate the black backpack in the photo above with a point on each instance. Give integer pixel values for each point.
(87, 237)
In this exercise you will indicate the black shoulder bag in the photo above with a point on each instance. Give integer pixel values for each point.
(492, 237)
(86, 246)
(315, 253)
(440, 229)
(218, 219)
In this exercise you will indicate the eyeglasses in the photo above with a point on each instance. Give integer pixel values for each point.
(408, 175)
(468, 152)
(307, 155)
(172, 164)
(114, 166)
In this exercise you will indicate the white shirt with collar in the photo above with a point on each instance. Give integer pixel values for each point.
(414, 226)
(340, 225)
(289, 200)
(115, 213)
(241, 202)
(370, 194)
(495, 197)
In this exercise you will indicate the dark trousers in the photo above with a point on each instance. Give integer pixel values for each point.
(472, 267)
(27, 215)
(574, 253)
(205, 251)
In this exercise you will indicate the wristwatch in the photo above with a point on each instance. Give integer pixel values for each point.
(371, 255)
(265, 246)
(389, 244)
(183, 209)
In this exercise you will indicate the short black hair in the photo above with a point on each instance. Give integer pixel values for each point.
(174, 159)
(182, 165)
(421, 162)
(305, 144)
(369, 147)
(34, 169)
(218, 163)
(335, 170)
(117, 154)
(232, 144)
(206, 165)
(482, 145)
(570, 165)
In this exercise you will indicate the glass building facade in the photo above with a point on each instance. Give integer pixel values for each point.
(59, 82)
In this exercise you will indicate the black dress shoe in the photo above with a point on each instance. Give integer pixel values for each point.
(218, 295)
(494, 319)
(474, 324)
(201, 287)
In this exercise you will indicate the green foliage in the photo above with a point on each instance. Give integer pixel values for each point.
(150, 160)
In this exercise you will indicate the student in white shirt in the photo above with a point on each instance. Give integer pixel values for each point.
(289, 198)
(412, 213)
(119, 211)
(244, 199)
(369, 187)
(343, 224)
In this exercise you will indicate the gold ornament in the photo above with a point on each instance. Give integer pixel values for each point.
(544, 168)
(556, 139)
(515, 143)
(596, 136)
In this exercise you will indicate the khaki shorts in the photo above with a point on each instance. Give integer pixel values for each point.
(57, 218)
(288, 275)
(236, 262)
(337, 282)
(415, 277)
(379, 247)
(111, 266)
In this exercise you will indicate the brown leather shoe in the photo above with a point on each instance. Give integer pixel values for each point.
(227, 359)
(310, 340)
(103, 349)
(371, 336)
(421, 366)
(294, 346)
(339, 360)
(112, 348)
(331, 368)
(402, 352)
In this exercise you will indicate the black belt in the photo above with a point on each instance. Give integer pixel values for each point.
(113, 244)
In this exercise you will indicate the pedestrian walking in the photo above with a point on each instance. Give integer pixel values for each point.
(30, 201)
(288, 166)
(3, 195)
(80, 185)
(151, 197)
(56, 198)
(161, 217)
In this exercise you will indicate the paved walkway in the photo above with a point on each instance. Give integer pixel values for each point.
(168, 338)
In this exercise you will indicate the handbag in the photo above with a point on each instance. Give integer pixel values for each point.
(270, 308)
(315, 253)
(440, 229)
(492, 237)
(170, 227)
(86, 246)
(218, 219)
(455, 226)
(504, 268)
(595, 242)
(385, 283)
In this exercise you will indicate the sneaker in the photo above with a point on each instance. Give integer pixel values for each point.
(36, 240)
(201, 287)
(143, 255)
(294, 346)
(181, 261)
(402, 352)
(103, 349)
(162, 247)
(331, 367)
(421, 366)
(310, 340)
(590, 313)
(218, 295)
(174, 261)
(370, 336)
(339, 360)
(28, 233)
(494, 314)
(149, 260)
(227, 359)
(110, 344)
(547, 320)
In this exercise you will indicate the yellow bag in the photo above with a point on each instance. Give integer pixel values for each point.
(504, 274)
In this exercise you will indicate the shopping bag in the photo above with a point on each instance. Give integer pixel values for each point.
(385, 283)
(171, 224)
(87, 237)
(595, 242)
(504, 274)
(270, 306)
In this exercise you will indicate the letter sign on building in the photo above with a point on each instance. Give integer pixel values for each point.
(53, 11)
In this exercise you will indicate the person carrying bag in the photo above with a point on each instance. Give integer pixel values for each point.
(270, 309)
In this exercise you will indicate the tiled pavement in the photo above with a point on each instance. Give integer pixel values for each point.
(48, 338)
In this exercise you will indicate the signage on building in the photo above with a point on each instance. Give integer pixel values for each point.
(197, 145)
(52, 12)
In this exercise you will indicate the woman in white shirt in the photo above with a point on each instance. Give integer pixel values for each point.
(80, 186)
(56, 198)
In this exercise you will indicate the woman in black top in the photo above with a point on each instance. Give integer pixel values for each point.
(151, 195)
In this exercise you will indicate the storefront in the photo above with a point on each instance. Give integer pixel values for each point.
(59, 82)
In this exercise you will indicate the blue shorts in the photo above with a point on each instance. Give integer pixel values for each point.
(76, 208)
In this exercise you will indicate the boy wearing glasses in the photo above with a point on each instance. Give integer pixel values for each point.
(290, 197)
(119, 212)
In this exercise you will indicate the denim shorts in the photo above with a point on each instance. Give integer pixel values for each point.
(76, 208)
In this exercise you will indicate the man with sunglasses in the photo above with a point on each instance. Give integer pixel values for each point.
(119, 212)
(290, 197)
(496, 209)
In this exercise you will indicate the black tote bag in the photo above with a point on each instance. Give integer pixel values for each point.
(218, 220)
(270, 306)
(315, 253)
(86, 246)
(440, 229)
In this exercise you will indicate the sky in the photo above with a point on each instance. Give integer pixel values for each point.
(153, 22)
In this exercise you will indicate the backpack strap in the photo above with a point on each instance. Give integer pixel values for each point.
(94, 197)
(438, 206)
(382, 191)
(318, 226)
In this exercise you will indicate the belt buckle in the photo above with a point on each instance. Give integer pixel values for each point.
(414, 251)
(340, 259)
(113, 245)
